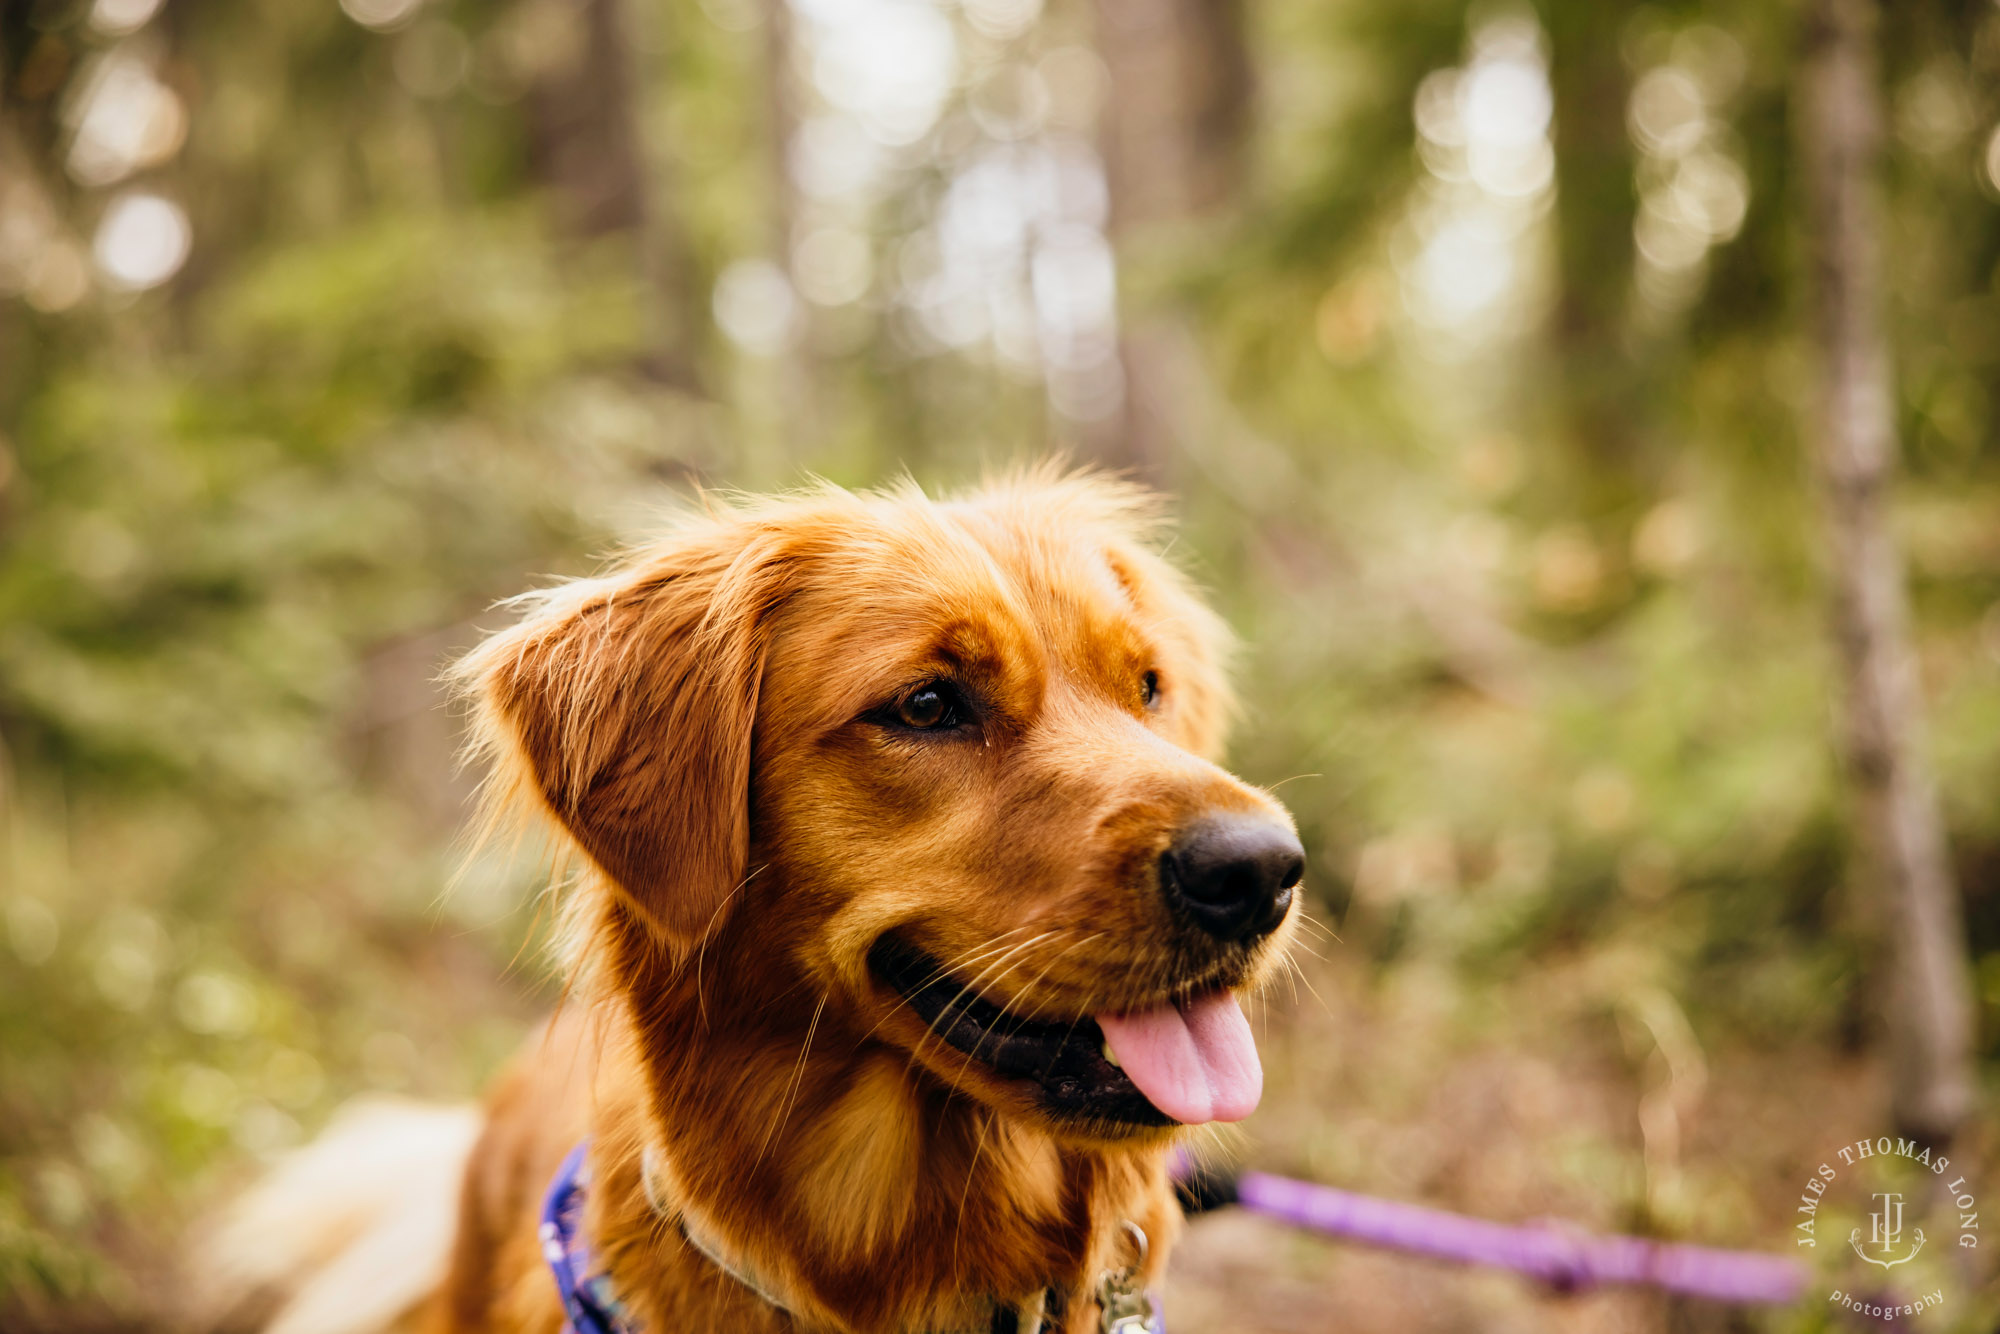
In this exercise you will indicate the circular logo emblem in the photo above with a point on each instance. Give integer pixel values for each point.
(1885, 1219)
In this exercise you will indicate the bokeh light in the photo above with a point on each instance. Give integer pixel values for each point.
(1694, 194)
(117, 17)
(1468, 252)
(142, 241)
(891, 63)
(1668, 114)
(832, 157)
(754, 305)
(833, 266)
(58, 276)
(432, 58)
(1935, 110)
(381, 15)
(1002, 20)
(125, 120)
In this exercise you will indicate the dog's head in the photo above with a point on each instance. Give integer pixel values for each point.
(947, 763)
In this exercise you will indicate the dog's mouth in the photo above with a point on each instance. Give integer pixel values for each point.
(1178, 1062)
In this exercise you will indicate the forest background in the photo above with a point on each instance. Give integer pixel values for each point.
(1584, 412)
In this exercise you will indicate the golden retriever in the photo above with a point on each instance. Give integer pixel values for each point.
(911, 922)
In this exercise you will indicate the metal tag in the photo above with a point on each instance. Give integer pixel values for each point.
(1123, 1304)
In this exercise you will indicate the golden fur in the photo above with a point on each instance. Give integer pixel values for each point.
(696, 725)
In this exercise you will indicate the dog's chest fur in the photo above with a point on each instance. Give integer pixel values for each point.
(873, 1202)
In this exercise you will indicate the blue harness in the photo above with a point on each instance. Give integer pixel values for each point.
(587, 1301)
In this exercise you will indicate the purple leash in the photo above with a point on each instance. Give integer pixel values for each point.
(1564, 1257)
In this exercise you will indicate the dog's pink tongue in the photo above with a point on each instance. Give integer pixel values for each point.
(1196, 1062)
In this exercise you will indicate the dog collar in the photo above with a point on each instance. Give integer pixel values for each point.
(1022, 1318)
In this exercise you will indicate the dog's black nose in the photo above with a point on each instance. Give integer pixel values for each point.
(1232, 875)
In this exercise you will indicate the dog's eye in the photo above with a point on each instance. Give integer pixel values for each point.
(931, 707)
(1149, 689)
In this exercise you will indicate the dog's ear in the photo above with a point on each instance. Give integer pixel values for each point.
(627, 704)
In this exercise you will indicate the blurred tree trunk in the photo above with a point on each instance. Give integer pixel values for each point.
(801, 425)
(1594, 213)
(588, 149)
(1929, 996)
(1174, 135)
(1179, 112)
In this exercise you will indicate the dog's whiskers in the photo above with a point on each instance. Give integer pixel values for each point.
(794, 1084)
(973, 955)
(931, 1034)
(958, 1233)
(972, 988)
(1293, 964)
(1059, 956)
(1043, 1004)
(708, 932)
(1309, 922)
